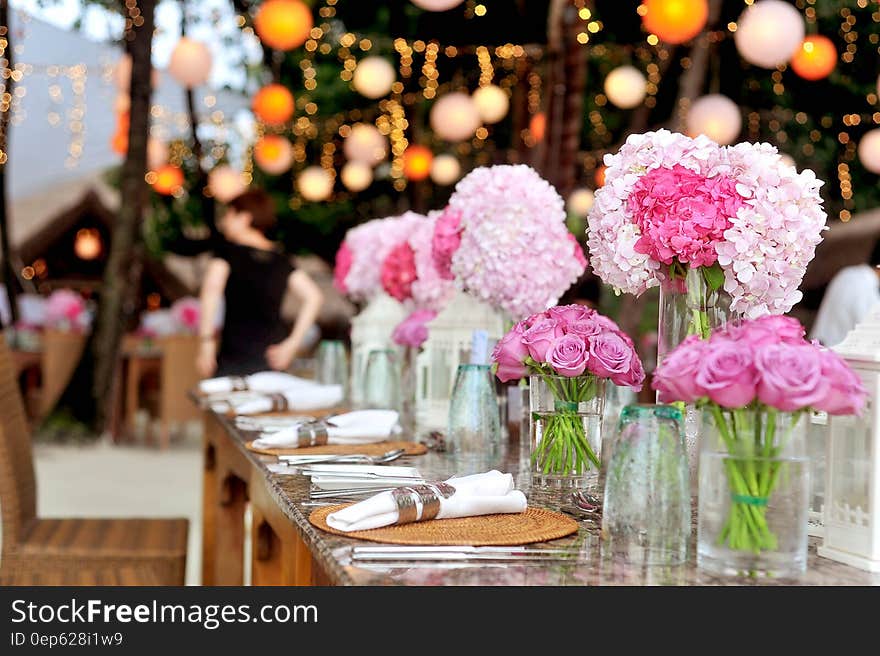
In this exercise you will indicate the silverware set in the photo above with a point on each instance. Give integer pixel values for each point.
(353, 458)
(404, 554)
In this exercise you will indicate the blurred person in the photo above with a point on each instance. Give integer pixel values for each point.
(251, 274)
(851, 294)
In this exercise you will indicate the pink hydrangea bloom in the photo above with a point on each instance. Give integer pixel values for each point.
(344, 259)
(399, 271)
(186, 313)
(446, 240)
(66, 310)
(515, 253)
(430, 290)
(413, 331)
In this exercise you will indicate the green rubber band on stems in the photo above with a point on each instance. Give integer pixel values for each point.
(749, 500)
(565, 406)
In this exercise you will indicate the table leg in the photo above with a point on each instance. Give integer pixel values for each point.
(229, 540)
(132, 384)
(209, 511)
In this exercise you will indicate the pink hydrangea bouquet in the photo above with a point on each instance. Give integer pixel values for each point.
(572, 349)
(503, 238)
(413, 331)
(741, 217)
(186, 312)
(66, 310)
(755, 380)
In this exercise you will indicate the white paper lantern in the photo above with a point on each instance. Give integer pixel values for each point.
(445, 169)
(492, 103)
(580, 201)
(356, 176)
(869, 150)
(122, 74)
(314, 183)
(769, 32)
(226, 183)
(788, 160)
(625, 86)
(437, 5)
(716, 116)
(157, 153)
(190, 63)
(454, 117)
(365, 144)
(373, 77)
(122, 103)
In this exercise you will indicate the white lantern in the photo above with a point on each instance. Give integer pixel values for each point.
(625, 86)
(225, 183)
(449, 333)
(190, 63)
(365, 144)
(769, 32)
(715, 116)
(314, 183)
(580, 201)
(437, 5)
(122, 103)
(371, 329)
(454, 117)
(122, 74)
(445, 169)
(356, 176)
(851, 511)
(157, 153)
(373, 77)
(492, 103)
(787, 160)
(869, 150)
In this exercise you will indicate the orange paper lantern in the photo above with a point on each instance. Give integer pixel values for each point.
(815, 58)
(273, 154)
(600, 175)
(538, 126)
(417, 162)
(119, 142)
(168, 179)
(273, 104)
(283, 24)
(674, 21)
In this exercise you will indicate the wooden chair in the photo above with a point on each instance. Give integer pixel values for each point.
(122, 576)
(154, 550)
(61, 353)
(178, 377)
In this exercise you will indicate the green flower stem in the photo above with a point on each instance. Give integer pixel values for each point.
(564, 448)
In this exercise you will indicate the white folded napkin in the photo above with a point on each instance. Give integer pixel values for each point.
(358, 427)
(264, 381)
(305, 397)
(479, 494)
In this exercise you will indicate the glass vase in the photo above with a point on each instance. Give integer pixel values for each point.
(753, 493)
(689, 306)
(473, 436)
(565, 436)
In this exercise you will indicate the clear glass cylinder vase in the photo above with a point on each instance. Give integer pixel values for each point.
(473, 436)
(565, 436)
(753, 493)
(690, 306)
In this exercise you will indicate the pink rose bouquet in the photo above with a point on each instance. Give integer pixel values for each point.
(753, 378)
(504, 239)
(571, 348)
(66, 310)
(186, 312)
(748, 222)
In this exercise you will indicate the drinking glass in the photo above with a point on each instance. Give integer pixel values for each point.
(646, 516)
(382, 380)
(332, 363)
(473, 434)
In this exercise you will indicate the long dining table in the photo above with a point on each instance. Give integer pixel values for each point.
(286, 549)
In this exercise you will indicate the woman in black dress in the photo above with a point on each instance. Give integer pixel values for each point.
(253, 275)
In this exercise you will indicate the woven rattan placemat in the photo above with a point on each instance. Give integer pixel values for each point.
(533, 525)
(374, 449)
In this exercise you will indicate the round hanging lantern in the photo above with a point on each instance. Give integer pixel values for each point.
(437, 5)
(356, 176)
(225, 183)
(190, 63)
(417, 162)
(625, 86)
(122, 103)
(373, 77)
(599, 175)
(869, 150)
(580, 201)
(283, 24)
(314, 183)
(815, 58)
(787, 160)
(122, 74)
(454, 117)
(273, 154)
(365, 144)
(445, 169)
(717, 117)
(87, 245)
(675, 21)
(492, 103)
(168, 179)
(119, 142)
(769, 32)
(157, 153)
(538, 126)
(273, 104)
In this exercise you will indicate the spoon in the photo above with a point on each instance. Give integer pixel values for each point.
(388, 456)
(586, 502)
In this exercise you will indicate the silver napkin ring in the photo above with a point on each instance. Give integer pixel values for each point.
(428, 494)
(239, 383)
(279, 402)
(313, 433)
